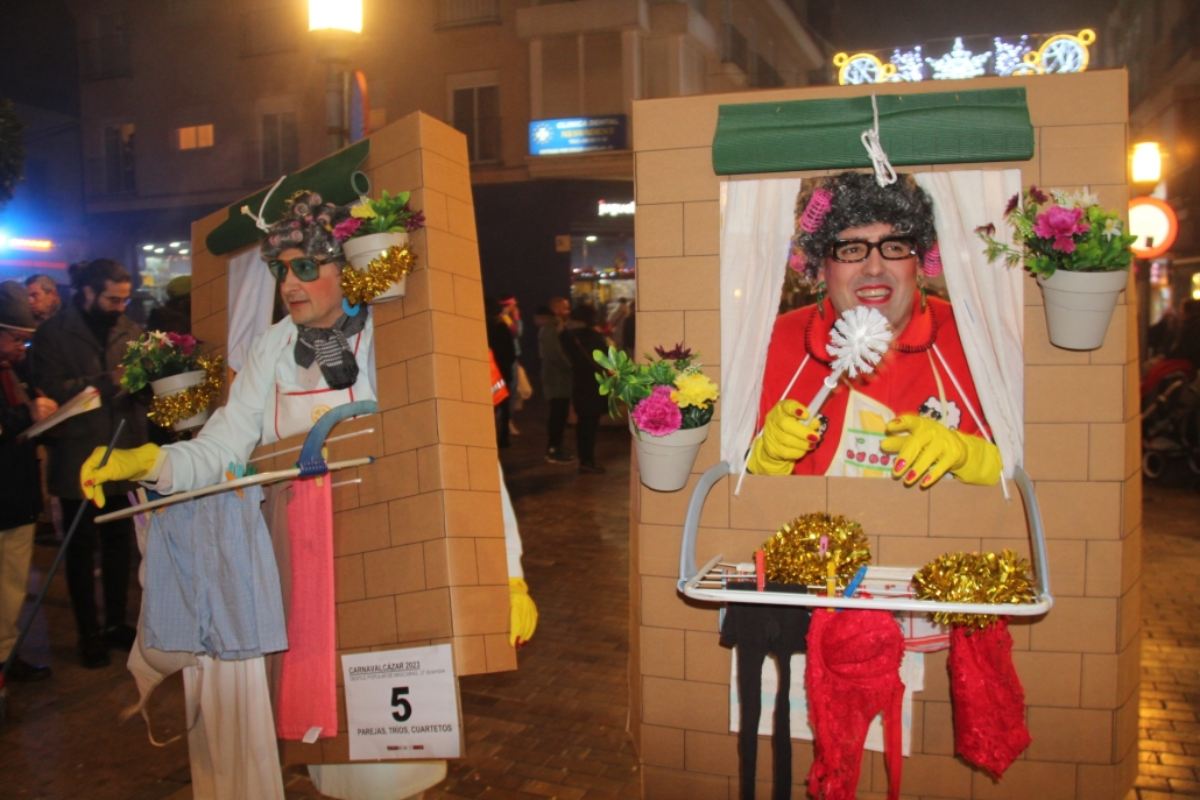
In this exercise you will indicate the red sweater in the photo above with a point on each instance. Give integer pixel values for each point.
(904, 381)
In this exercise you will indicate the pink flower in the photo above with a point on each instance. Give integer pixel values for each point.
(183, 341)
(1061, 224)
(658, 415)
(346, 228)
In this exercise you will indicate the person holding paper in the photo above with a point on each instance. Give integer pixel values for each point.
(78, 347)
(917, 416)
(20, 491)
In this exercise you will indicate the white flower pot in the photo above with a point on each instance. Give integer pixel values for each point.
(1079, 306)
(174, 384)
(360, 250)
(664, 462)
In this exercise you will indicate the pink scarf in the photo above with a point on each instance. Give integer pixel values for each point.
(308, 686)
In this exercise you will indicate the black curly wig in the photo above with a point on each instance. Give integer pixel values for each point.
(856, 199)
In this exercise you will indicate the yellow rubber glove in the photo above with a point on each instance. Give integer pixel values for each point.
(787, 436)
(925, 447)
(522, 620)
(123, 465)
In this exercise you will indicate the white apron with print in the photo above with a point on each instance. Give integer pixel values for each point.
(299, 405)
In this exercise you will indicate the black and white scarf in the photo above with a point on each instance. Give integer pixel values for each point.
(330, 347)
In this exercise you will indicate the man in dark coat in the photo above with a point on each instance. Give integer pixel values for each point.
(582, 338)
(556, 379)
(82, 346)
(20, 491)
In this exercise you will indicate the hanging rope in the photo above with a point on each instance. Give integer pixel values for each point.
(884, 174)
(259, 222)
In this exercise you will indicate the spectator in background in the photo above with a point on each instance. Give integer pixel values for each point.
(616, 322)
(79, 347)
(501, 342)
(20, 496)
(556, 379)
(629, 330)
(174, 315)
(510, 315)
(44, 301)
(579, 340)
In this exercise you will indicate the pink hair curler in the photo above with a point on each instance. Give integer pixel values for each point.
(814, 213)
(931, 264)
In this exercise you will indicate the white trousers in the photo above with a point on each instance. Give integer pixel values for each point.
(16, 550)
(231, 731)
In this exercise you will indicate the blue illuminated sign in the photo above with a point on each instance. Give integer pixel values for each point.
(549, 137)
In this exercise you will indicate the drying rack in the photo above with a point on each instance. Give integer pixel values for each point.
(889, 586)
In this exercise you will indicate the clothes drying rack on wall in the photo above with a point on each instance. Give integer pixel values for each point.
(889, 587)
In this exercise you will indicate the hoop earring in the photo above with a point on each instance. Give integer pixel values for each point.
(821, 299)
(352, 310)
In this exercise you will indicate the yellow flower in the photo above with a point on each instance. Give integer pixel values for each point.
(362, 211)
(694, 389)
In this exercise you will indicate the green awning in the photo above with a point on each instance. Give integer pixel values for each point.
(329, 177)
(934, 128)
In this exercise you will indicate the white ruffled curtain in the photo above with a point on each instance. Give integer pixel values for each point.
(757, 220)
(251, 299)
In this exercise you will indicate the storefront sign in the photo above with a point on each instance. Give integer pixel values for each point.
(607, 209)
(576, 135)
(402, 704)
(1154, 222)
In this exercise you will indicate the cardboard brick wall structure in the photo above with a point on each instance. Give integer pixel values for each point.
(1079, 664)
(419, 543)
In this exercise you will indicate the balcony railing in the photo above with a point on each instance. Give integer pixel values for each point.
(462, 13)
(104, 57)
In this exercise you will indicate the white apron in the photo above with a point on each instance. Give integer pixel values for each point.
(298, 409)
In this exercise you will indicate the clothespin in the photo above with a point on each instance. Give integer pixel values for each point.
(324, 457)
(830, 578)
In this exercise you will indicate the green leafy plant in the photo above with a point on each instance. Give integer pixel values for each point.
(156, 354)
(1060, 230)
(388, 213)
(662, 395)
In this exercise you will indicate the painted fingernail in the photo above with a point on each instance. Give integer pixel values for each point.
(812, 437)
(911, 476)
(928, 480)
(900, 465)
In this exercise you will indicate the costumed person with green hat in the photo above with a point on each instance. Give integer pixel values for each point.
(319, 356)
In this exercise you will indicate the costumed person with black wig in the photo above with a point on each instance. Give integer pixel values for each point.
(317, 357)
(915, 418)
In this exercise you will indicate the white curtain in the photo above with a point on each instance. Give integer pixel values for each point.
(757, 217)
(757, 221)
(251, 298)
(988, 298)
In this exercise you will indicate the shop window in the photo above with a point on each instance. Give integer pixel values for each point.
(476, 112)
(119, 174)
(280, 144)
(194, 137)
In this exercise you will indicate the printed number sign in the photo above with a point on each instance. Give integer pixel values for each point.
(402, 704)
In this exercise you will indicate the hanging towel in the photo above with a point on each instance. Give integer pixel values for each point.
(308, 684)
(212, 586)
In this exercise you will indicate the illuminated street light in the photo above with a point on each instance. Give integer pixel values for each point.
(336, 24)
(335, 15)
(1147, 163)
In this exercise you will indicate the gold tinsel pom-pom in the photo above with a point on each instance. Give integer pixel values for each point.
(974, 578)
(801, 551)
(166, 410)
(364, 285)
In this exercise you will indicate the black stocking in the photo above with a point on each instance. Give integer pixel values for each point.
(759, 631)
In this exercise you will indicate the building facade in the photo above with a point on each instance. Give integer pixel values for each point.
(187, 105)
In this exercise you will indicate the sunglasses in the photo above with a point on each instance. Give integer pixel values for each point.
(305, 269)
(851, 251)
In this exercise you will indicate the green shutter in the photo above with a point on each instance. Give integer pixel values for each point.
(329, 177)
(935, 128)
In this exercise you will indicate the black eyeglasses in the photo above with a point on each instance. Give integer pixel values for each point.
(305, 269)
(893, 248)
